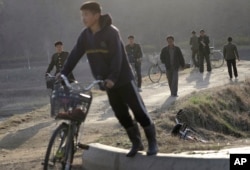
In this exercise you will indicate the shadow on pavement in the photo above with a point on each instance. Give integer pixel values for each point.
(14, 140)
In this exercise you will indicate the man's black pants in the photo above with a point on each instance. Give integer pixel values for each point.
(138, 73)
(230, 64)
(205, 55)
(125, 97)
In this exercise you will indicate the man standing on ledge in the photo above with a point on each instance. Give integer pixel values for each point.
(134, 53)
(101, 41)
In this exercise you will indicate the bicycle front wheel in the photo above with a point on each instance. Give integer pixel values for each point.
(55, 154)
(194, 136)
(154, 73)
(216, 59)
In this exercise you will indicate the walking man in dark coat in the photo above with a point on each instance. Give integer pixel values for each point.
(204, 51)
(172, 57)
(194, 48)
(134, 53)
(230, 54)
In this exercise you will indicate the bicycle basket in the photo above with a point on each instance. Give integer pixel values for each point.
(70, 104)
(50, 81)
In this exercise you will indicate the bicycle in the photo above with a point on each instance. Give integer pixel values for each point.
(216, 58)
(70, 103)
(155, 71)
(186, 132)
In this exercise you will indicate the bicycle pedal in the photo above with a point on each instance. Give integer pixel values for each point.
(83, 146)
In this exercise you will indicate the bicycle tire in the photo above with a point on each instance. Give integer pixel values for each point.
(216, 59)
(70, 150)
(154, 73)
(55, 153)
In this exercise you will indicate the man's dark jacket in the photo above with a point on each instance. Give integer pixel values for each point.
(178, 58)
(105, 52)
(203, 49)
(58, 60)
(134, 52)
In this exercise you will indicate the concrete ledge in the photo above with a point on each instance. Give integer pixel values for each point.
(103, 157)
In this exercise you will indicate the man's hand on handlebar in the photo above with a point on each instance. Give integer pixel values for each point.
(109, 83)
(58, 76)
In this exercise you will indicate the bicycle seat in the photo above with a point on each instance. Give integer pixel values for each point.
(76, 115)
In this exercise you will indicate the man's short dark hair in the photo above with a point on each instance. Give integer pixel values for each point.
(202, 30)
(229, 39)
(131, 36)
(91, 6)
(58, 43)
(193, 32)
(170, 37)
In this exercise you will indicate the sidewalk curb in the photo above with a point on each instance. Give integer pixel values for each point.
(105, 157)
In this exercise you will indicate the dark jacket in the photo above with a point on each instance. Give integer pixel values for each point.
(204, 49)
(57, 60)
(105, 52)
(178, 58)
(230, 51)
(134, 52)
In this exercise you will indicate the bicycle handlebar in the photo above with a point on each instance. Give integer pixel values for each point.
(65, 79)
(49, 75)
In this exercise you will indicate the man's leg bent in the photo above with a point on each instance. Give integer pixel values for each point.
(134, 100)
(120, 108)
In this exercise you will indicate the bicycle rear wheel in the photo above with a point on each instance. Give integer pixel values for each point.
(55, 154)
(154, 73)
(216, 59)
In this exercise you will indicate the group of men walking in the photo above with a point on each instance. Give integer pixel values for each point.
(201, 50)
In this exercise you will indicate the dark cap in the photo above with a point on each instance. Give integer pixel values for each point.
(131, 36)
(92, 6)
(202, 30)
(58, 43)
(193, 32)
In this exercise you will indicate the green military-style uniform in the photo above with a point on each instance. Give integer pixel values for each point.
(58, 60)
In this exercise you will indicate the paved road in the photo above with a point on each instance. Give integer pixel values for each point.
(157, 96)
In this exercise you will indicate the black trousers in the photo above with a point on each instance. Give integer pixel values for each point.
(172, 76)
(230, 64)
(125, 97)
(204, 55)
(138, 73)
(195, 58)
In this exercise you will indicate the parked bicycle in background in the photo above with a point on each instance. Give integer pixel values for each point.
(216, 58)
(156, 69)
